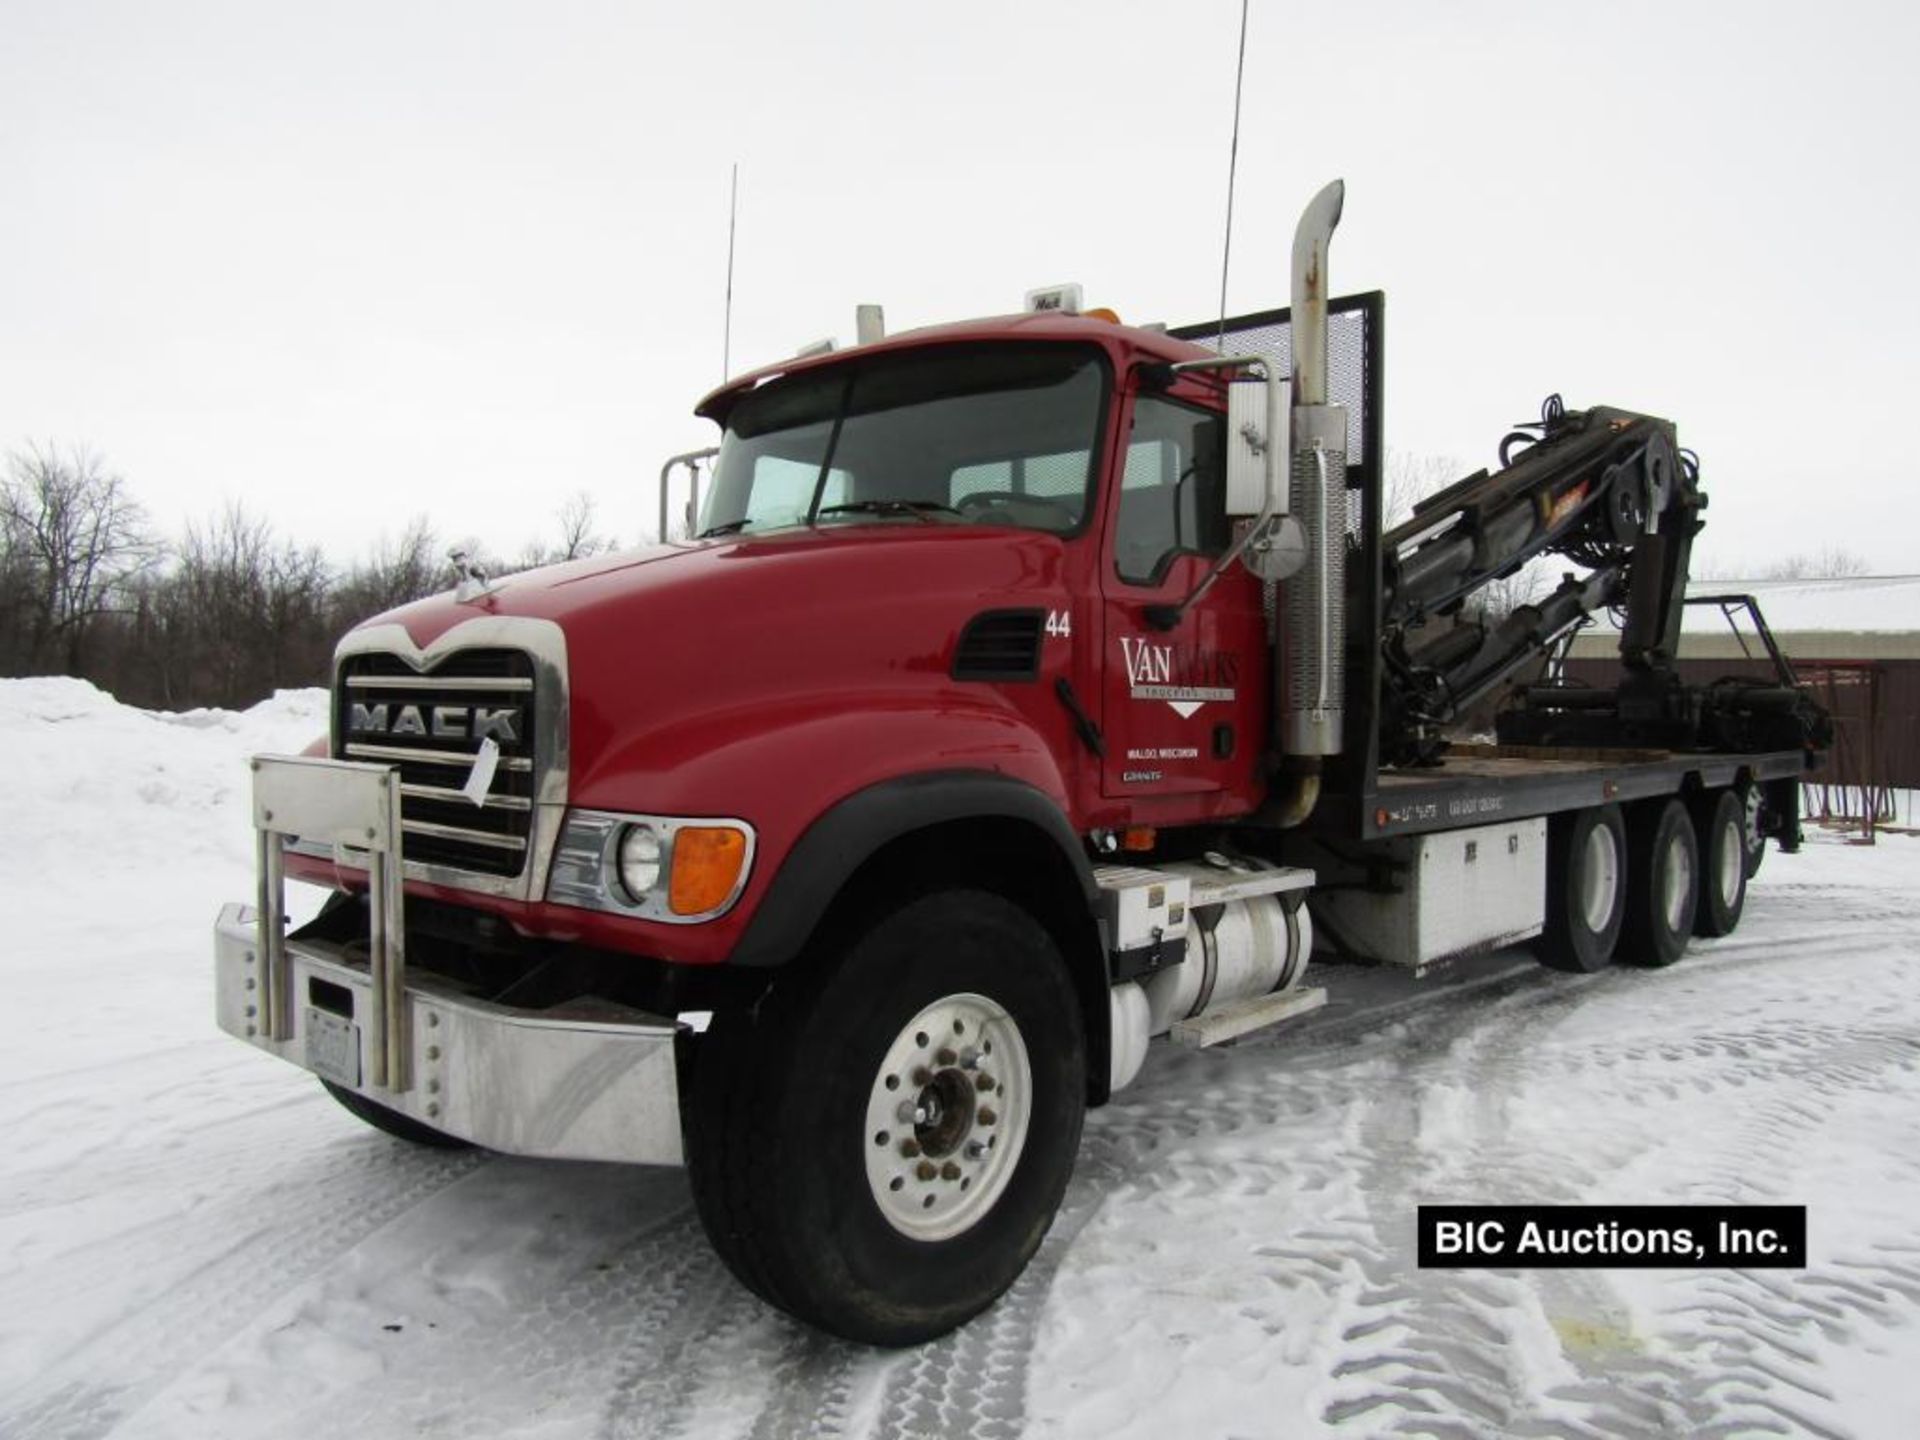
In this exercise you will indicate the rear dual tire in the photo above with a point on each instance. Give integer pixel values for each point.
(1586, 889)
(1720, 823)
(1641, 886)
(1663, 883)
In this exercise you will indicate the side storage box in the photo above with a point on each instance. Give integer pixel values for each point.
(1460, 892)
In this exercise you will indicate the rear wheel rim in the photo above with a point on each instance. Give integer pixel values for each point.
(1676, 884)
(1733, 859)
(947, 1117)
(1599, 878)
(1750, 837)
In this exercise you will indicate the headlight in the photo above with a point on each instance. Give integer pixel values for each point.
(652, 867)
(639, 862)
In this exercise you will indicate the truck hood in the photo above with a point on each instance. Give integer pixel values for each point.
(847, 567)
(710, 638)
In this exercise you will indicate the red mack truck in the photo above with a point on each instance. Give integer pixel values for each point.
(1028, 688)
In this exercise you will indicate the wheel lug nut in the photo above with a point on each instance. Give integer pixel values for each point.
(969, 1059)
(926, 1170)
(909, 1148)
(987, 1117)
(945, 1057)
(949, 1171)
(976, 1150)
(908, 1113)
(984, 1083)
(922, 1076)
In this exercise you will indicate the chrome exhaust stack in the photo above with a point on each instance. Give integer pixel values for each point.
(1311, 674)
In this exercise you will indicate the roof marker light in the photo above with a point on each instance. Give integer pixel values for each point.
(1061, 299)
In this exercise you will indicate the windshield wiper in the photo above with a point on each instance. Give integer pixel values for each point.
(920, 509)
(731, 527)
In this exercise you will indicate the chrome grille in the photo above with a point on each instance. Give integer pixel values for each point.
(431, 726)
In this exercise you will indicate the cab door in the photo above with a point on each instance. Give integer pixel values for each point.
(1184, 709)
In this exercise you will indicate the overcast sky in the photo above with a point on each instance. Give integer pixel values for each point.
(354, 262)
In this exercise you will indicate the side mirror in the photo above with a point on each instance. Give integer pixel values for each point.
(1258, 411)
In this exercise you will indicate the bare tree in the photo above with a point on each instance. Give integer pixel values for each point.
(236, 617)
(578, 537)
(1410, 478)
(398, 571)
(1497, 599)
(1828, 563)
(73, 539)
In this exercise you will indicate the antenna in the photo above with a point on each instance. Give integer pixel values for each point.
(1233, 164)
(733, 215)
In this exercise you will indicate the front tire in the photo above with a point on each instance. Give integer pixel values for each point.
(879, 1146)
(1663, 883)
(392, 1122)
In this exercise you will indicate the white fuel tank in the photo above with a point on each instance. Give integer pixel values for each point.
(1251, 947)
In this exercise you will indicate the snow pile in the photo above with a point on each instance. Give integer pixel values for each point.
(126, 825)
(136, 787)
(196, 1243)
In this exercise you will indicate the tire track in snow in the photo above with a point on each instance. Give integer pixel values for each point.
(1746, 1368)
(973, 1383)
(545, 1356)
(1442, 1352)
(813, 1390)
(259, 1242)
(704, 1347)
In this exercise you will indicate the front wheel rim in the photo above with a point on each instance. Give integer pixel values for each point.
(947, 1117)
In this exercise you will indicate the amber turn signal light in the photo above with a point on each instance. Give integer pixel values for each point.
(706, 866)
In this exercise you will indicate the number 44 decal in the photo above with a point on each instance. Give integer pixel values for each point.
(1060, 623)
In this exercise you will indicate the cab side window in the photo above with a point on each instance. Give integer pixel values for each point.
(1173, 490)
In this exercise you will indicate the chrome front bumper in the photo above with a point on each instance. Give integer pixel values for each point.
(577, 1084)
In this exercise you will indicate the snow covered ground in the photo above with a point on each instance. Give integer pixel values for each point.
(196, 1242)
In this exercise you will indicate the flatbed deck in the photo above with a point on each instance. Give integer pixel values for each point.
(1511, 782)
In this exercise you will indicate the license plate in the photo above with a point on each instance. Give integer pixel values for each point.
(333, 1047)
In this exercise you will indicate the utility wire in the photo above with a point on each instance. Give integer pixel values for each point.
(1233, 164)
(733, 215)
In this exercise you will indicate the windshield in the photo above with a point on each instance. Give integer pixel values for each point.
(996, 436)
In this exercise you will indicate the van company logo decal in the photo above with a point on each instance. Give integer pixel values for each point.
(1185, 676)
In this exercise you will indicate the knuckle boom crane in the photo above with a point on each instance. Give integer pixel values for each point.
(1612, 491)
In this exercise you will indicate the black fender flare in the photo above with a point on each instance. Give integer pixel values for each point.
(831, 850)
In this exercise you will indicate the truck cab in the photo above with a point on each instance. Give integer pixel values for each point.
(1074, 433)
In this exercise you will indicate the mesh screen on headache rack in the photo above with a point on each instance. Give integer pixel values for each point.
(1269, 334)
